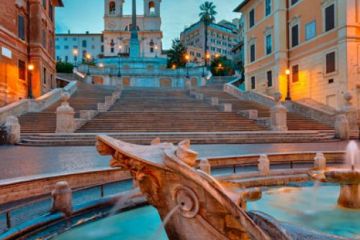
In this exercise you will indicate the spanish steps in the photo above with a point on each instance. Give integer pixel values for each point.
(142, 114)
(85, 98)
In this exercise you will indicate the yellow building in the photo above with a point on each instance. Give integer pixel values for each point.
(315, 42)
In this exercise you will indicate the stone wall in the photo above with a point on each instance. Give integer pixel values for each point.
(13, 190)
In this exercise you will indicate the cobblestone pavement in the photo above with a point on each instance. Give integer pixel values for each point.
(19, 161)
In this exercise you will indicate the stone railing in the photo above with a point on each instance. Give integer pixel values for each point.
(35, 105)
(312, 112)
(249, 96)
(18, 189)
(65, 114)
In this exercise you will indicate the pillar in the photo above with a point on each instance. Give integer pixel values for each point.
(65, 116)
(278, 115)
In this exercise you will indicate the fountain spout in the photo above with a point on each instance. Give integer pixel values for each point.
(167, 176)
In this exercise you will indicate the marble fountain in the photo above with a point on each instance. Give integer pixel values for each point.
(194, 205)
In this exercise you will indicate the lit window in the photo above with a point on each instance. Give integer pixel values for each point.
(310, 30)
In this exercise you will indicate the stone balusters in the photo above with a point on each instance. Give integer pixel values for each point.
(278, 115)
(65, 116)
(264, 165)
(62, 198)
(351, 115)
(320, 161)
(12, 128)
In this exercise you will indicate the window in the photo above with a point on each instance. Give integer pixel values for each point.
(329, 18)
(295, 35)
(251, 18)
(44, 76)
(21, 68)
(253, 83)
(21, 27)
(268, 7)
(66, 47)
(152, 8)
(293, 2)
(112, 7)
(252, 53)
(44, 4)
(310, 30)
(295, 73)
(102, 48)
(66, 58)
(84, 43)
(268, 44)
(269, 78)
(330, 62)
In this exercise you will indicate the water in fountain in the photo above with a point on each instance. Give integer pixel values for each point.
(352, 155)
(164, 222)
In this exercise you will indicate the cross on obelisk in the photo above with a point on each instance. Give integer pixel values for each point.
(134, 40)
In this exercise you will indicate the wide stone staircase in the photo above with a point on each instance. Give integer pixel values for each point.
(85, 98)
(142, 114)
(161, 110)
(295, 121)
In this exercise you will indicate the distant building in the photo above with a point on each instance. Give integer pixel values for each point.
(238, 49)
(310, 47)
(117, 29)
(73, 47)
(26, 39)
(222, 37)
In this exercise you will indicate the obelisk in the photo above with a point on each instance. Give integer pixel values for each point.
(134, 40)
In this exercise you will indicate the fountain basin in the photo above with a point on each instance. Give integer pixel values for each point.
(343, 176)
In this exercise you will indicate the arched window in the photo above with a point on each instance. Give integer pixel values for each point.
(152, 8)
(112, 7)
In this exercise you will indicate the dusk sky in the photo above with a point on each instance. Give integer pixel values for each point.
(79, 16)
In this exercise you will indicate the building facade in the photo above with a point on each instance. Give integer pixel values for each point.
(311, 47)
(117, 29)
(222, 37)
(73, 47)
(26, 39)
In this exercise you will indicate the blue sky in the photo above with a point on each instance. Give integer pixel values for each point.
(176, 14)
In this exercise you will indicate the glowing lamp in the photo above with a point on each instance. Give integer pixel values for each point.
(287, 72)
(31, 67)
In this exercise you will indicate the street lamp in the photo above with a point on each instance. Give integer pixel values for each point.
(30, 69)
(187, 58)
(119, 72)
(75, 54)
(288, 95)
(156, 51)
(88, 59)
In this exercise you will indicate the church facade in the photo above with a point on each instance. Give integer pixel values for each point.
(117, 32)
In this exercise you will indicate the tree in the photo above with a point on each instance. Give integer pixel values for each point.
(64, 67)
(207, 16)
(222, 66)
(176, 54)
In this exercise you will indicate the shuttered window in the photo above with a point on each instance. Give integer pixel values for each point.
(21, 27)
(330, 62)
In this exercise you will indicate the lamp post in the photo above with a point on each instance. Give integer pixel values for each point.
(75, 54)
(187, 58)
(288, 95)
(88, 59)
(156, 51)
(119, 71)
(30, 70)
